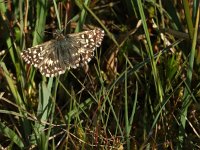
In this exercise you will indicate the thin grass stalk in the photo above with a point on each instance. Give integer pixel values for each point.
(188, 18)
(186, 96)
(82, 18)
(126, 110)
(157, 82)
(57, 14)
(118, 127)
(18, 99)
(9, 40)
(131, 118)
(110, 35)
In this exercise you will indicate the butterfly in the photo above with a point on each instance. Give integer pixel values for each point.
(54, 57)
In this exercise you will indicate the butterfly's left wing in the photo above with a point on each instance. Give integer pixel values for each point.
(82, 46)
(45, 57)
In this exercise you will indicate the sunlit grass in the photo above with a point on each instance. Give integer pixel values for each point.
(140, 91)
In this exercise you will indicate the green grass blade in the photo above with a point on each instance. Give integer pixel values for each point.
(82, 16)
(9, 133)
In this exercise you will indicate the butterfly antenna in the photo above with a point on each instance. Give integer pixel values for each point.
(47, 32)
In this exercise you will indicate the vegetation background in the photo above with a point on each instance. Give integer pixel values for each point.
(140, 91)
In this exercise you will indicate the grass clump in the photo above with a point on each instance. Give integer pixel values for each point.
(140, 91)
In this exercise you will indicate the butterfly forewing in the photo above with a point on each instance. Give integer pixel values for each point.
(64, 52)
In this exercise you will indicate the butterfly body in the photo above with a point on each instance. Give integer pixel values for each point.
(53, 57)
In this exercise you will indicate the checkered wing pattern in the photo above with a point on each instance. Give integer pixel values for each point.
(64, 52)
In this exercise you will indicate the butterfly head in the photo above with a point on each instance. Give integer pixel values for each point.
(58, 34)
